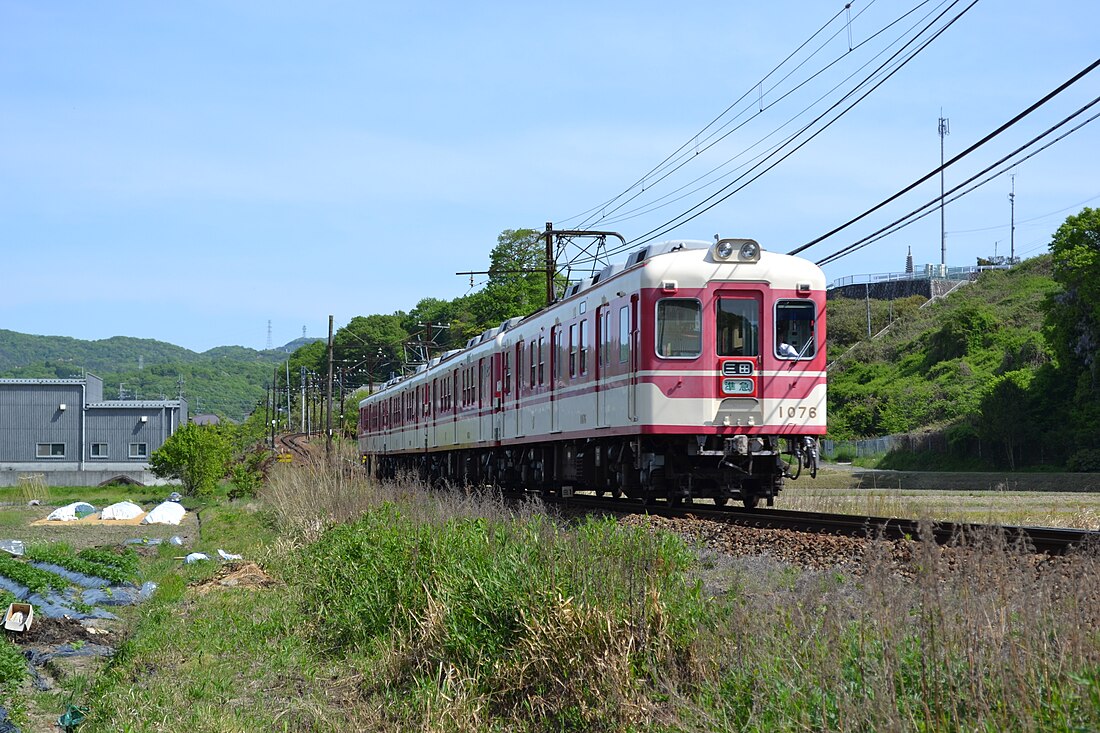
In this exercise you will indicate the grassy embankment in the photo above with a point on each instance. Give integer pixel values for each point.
(405, 609)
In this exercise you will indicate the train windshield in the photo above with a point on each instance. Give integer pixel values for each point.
(738, 327)
(795, 323)
(679, 328)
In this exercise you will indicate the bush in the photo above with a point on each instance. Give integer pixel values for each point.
(560, 625)
(1086, 460)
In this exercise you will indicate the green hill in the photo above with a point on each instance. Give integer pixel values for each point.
(943, 366)
(228, 380)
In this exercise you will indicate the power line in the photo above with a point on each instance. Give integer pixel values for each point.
(905, 57)
(1061, 88)
(641, 181)
(912, 216)
(687, 157)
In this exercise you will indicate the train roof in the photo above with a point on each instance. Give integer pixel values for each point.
(784, 271)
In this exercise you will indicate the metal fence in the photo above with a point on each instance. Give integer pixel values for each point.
(909, 442)
(930, 272)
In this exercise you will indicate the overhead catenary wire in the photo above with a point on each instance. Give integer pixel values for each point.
(671, 197)
(1020, 222)
(724, 112)
(687, 158)
(927, 208)
(990, 136)
(884, 68)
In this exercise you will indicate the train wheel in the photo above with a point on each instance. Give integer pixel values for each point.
(721, 500)
(750, 501)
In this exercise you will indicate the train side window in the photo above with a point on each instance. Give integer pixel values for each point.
(795, 324)
(582, 350)
(572, 350)
(679, 328)
(738, 326)
(534, 363)
(624, 334)
(542, 364)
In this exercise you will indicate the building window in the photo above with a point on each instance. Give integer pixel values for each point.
(139, 450)
(99, 450)
(50, 450)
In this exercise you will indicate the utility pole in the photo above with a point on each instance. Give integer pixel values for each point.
(867, 299)
(1012, 218)
(274, 404)
(945, 129)
(328, 397)
(303, 373)
(550, 262)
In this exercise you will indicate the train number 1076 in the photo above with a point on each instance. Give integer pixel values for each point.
(797, 412)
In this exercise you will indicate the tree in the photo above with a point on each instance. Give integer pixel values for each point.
(1073, 315)
(198, 455)
(517, 279)
(1072, 322)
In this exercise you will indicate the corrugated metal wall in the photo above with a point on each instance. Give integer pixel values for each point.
(31, 414)
(120, 427)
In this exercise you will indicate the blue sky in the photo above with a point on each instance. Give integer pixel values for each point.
(190, 171)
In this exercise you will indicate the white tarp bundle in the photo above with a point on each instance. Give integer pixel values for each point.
(121, 510)
(168, 512)
(71, 512)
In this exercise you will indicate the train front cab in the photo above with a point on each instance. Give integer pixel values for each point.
(744, 395)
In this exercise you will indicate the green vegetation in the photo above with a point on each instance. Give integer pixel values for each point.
(87, 561)
(125, 560)
(1004, 368)
(404, 609)
(227, 380)
(198, 455)
(13, 668)
(39, 581)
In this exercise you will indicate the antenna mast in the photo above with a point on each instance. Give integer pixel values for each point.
(944, 129)
(1012, 216)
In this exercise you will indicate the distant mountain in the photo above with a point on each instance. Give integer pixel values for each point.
(229, 380)
(298, 343)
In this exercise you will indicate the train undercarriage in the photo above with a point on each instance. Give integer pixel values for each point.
(674, 469)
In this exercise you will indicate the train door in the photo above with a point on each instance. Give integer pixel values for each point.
(516, 393)
(615, 354)
(632, 359)
(555, 377)
(601, 367)
(482, 391)
(454, 401)
(433, 430)
(504, 391)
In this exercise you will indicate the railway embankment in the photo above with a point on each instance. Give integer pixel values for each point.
(872, 478)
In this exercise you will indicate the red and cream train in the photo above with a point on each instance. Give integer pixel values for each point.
(694, 370)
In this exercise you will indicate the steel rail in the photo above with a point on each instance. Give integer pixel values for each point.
(1048, 540)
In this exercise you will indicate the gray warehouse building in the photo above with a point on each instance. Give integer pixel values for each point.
(65, 432)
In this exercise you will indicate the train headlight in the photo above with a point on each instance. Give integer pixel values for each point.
(743, 250)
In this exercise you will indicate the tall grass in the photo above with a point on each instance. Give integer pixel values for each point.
(410, 609)
(458, 597)
(464, 614)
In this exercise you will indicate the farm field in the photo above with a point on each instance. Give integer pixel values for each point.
(361, 606)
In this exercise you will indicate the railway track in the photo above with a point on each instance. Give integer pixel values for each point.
(293, 443)
(1048, 540)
